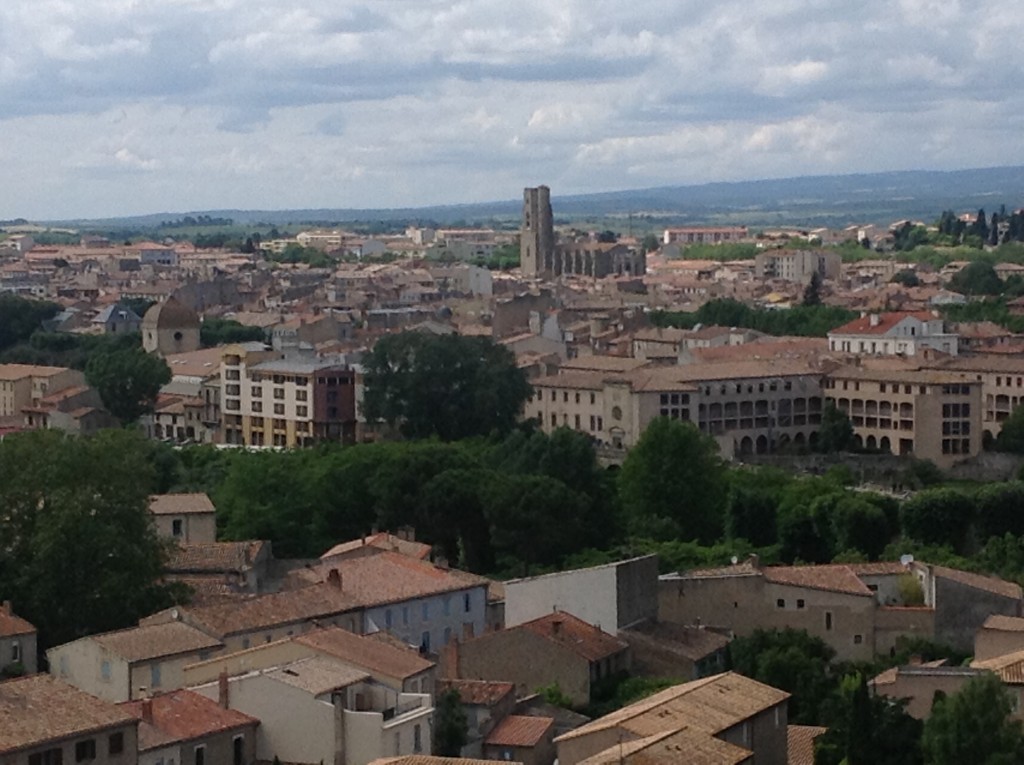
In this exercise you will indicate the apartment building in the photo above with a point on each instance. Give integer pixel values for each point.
(269, 401)
(930, 414)
(704, 234)
(798, 265)
(895, 333)
(749, 407)
(25, 385)
(1002, 385)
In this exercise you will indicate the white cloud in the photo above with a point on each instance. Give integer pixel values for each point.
(312, 103)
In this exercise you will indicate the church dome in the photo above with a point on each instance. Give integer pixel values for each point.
(170, 314)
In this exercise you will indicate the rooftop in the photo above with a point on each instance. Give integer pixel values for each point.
(685, 745)
(575, 634)
(180, 504)
(800, 743)
(215, 557)
(980, 582)
(478, 692)
(182, 715)
(374, 656)
(520, 730)
(318, 675)
(154, 641)
(11, 624)
(21, 371)
(40, 708)
(383, 541)
(883, 322)
(996, 622)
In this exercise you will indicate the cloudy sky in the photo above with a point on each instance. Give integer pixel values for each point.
(111, 107)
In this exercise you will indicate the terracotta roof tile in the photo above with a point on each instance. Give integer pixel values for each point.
(366, 653)
(183, 715)
(426, 759)
(686, 745)
(318, 676)
(214, 557)
(520, 730)
(180, 504)
(575, 634)
(886, 321)
(692, 643)
(830, 578)
(40, 708)
(11, 624)
(383, 541)
(150, 642)
(800, 743)
(478, 692)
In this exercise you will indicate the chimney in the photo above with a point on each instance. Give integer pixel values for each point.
(754, 560)
(334, 577)
(223, 691)
(874, 319)
(147, 711)
(6, 608)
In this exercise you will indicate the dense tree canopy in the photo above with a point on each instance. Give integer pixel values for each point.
(80, 553)
(447, 386)
(673, 482)
(974, 726)
(128, 381)
(20, 317)
(214, 332)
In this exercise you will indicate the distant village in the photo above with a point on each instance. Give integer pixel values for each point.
(354, 657)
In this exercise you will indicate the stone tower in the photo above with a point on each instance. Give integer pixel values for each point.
(537, 236)
(170, 327)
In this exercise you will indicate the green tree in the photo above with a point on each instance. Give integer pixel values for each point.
(672, 483)
(1011, 437)
(790, 660)
(446, 386)
(939, 517)
(812, 292)
(215, 332)
(866, 729)
(978, 277)
(650, 243)
(859, 524)
(906, 277)
(128, 381)
(80, 553)
(451, 727)
(836, 431)
(20, 317)
(974, 726)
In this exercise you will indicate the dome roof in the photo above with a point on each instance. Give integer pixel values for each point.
(171, 314)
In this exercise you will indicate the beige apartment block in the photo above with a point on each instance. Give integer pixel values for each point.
(798, 265)
(749, 407)
(24, 385)
(929, 414)
(1002, 385)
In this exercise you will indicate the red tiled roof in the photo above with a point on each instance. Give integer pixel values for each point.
(183, 715)
(215, 557)
(11, 625)
(800, 743)
(519, 730)
(478, 692)
(886, 321)
(830, 578)
(575, 634)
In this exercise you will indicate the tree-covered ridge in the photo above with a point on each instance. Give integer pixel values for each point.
(802, 320)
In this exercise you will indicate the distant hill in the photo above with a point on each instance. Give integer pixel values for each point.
(826, 200)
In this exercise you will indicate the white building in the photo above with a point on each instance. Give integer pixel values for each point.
(895, 333)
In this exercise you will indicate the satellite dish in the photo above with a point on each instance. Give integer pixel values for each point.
(906, 560)
(734, 560)
(174, 614)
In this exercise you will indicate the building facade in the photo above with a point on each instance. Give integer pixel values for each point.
(537, 235)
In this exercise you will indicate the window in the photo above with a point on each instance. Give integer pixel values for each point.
(780, 603)
(467, 602)
(15, 651)
(238, 749)
(800, 603)
(85, 750)
(828, 620)
(245, 642)
(200, 755)
(257, 391)
(301, 395)
(105, 670)
(256, 406)
(417, 739)
(115, 744)
(154, 675)
(858, 639)
(425, 641)
(278, 408)
(446, 605)
(278, 392)
(49, 757)
(301, 411)
(177, 527)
